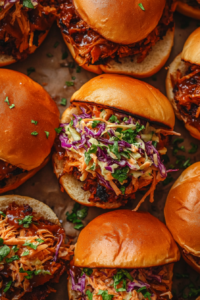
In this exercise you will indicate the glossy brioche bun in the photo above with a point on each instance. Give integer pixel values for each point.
(17, 146)
(191, 47)
(128, 95)
(182, 210)
(122, 22)
(6, 60)
(125, 239)
(187, 10)
(153, 62)
(41, 209)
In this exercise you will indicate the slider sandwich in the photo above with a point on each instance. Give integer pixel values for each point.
(190, 8)
(33, 253)
(126, 37)
(123, 255)
(28, 118)
(111, 141)
(23, 27)
(182, 214)
(183, 84)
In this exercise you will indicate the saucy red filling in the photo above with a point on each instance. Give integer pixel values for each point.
(95, 49)
(21, 27)
(187, 94)
(37, 284)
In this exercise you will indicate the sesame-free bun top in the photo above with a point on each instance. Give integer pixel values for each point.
(191, 48)
(125, 239)
(128, 95)
(123, 22)
(17, 146)
(182, 209)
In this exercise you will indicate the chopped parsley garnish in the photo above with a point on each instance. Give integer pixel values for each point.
(89, 294)
(115, 149)
(43, 272)
(63, 102)
(12, 106)
(7, 101)
(121, 174)
(144, 292)
(181, 275)
(105, 295)
(77, 215)
(1, 213)
(27, 243)
(56, 44)
(26, 222)
(93, 149)
(1, 242)
(31, 273)
(168, 179)
(4, 251)
(49, 55)
(87, 271)
(47, 134)
(25, 253)
(34, 122)
(58, 130)
(122, 188)
(193, 149)
(78, 69)
(14, 248)
(95, 123)
(8, 285)
(34, 133)
(114, 119)
(71, 123)
(141, 6)
(73, 78)
(65, 55)
(11, 259)
(121, 277)
(69, 83)
(40, 241)
(28, 3)
(30, 70)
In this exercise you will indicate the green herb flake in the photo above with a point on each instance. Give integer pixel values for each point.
(8, 285)
(30, 70)
(95, 123)
(193, 149)
(141, 6)
(34, 122)
(73, 78)
(78, 69)
(14, 248)
(4, 251)
(12, 106)
(69, 83)
(93, 149)
(1, 242)
(82, 213)
(58, 130)
(114, 119)
(26, 222)
(122, 189)
(65, 55)
(89, 294)
(56, 44)
(180, 275)
(63, 102)
(11, 259)
(87, 271)
(144, 292)
(28, 244)
(34, 133)
(168, 179)
(105, 295)
(77, 215)
(7, 101)
(1, 213)
(71, 65)
(40, 241)
(25, 253)
(121, 174)
(28, 3)
(47, 134)
(78, 226)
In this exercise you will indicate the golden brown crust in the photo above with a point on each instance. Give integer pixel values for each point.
(17, 180)
(127, 94)
(187, 10)
(32, 102)
(182, 210)
(122, 22)
(178, 64)
(41, 209)
(6, 60)
(125, 239)
(155, 60)
(191, 47)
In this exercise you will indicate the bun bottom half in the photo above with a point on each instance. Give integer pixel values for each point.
(6, 60)
(178, 64)
(17, 180)
(187, 10)
(154, 61)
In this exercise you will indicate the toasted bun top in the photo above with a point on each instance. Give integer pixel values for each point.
(191, 48)
(125, 239)
(123, 22)
(17, 146)
(182, 209)
(127, 95)
(41, 209)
